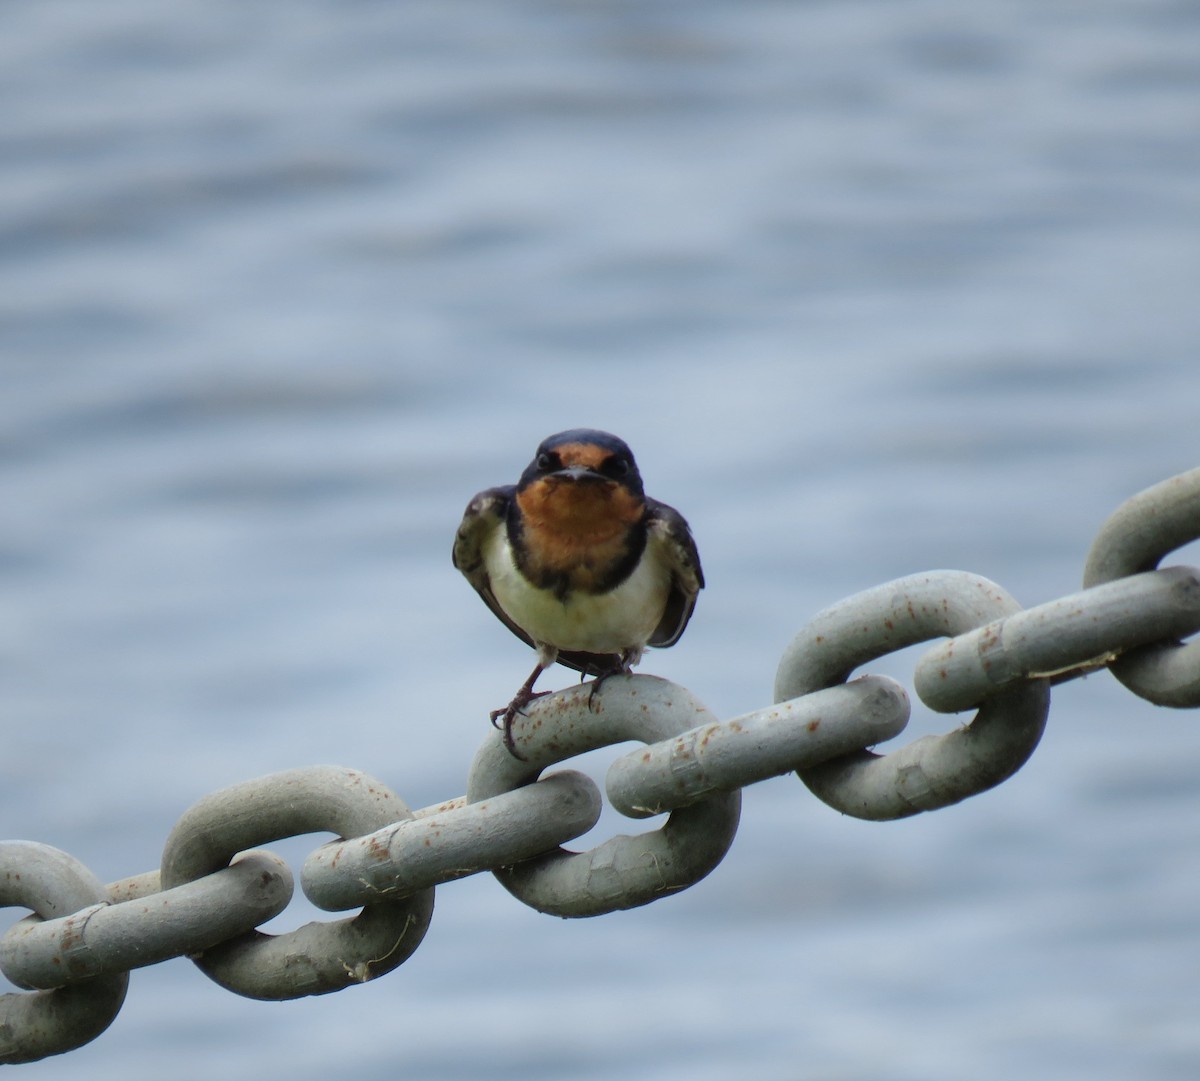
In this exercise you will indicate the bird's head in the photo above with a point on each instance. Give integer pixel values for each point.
(582, 482)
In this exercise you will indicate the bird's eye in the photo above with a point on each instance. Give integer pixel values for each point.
(616, 467)
(545, 461)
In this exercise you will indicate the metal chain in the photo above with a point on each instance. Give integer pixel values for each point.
(215, 888)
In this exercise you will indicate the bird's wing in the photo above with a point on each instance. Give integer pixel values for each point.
(668, 530)
(484, 515)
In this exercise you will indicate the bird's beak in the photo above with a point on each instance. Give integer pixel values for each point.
(578, 473)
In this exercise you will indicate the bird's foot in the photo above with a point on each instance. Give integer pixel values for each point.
(504, 718)
(598, 682)
(517, 705)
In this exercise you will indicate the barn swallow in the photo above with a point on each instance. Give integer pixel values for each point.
(579, 563)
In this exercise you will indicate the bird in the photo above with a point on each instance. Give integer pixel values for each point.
(579, 563)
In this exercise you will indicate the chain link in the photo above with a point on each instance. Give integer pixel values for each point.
(33, 1026)
(318, 957)
(934, 771)
(107, 938)
(725, 755)
(1062, 639)
(406, 857)
(1135, 538)
(214, 888)
(623, 872)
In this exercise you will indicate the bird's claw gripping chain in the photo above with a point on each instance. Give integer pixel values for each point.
(215, 886)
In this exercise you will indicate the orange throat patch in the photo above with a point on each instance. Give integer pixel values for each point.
(577, 530)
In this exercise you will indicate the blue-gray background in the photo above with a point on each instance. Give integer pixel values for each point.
(871, 288)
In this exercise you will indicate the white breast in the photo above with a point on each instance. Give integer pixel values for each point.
(622, 619)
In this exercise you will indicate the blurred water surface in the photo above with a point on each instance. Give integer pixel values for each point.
(870, 288)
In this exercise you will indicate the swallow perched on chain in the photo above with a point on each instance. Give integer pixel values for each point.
(578, 562)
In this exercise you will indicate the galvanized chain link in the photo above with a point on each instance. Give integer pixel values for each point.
(215, 888)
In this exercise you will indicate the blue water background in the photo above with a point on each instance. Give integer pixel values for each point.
(871, 288)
